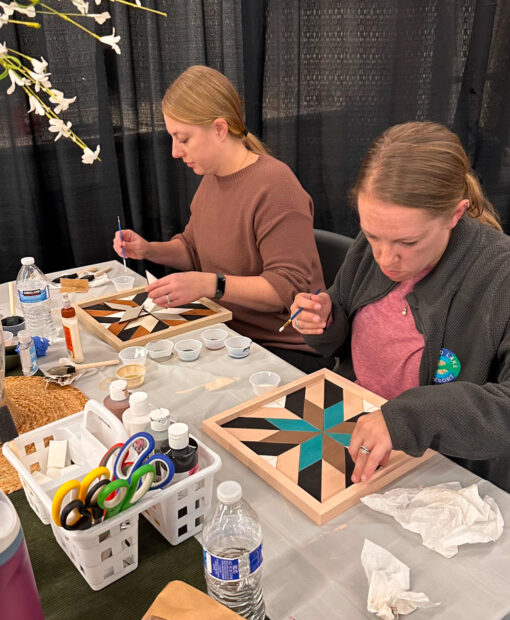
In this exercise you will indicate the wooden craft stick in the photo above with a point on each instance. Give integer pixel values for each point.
(11, 298)
(101, 271)
(96, 364)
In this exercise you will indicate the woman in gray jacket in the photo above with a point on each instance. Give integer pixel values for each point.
(420, 310)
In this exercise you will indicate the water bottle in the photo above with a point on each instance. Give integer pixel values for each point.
(232, 542)
(34, 296)
(18, 591)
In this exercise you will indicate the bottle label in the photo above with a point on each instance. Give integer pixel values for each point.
(69, 340)
(227, 569)
(33, 296)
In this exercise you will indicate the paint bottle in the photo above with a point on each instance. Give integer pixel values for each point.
(18, 591)
(160, 420)
(183, 451)
(118, 399)
(136, 417)
(71, 330)
(27, 354)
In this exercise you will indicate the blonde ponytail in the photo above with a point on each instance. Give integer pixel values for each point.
(479, 207)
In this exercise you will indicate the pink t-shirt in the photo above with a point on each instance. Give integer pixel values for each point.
(386, 347)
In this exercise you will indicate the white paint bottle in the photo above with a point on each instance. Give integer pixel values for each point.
(137, 416)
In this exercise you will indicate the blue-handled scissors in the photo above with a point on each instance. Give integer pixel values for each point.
(138, 451)
(82, 510)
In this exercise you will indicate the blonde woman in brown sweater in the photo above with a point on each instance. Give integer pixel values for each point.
(249, 242)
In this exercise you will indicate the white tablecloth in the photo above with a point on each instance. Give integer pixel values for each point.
(314, 572)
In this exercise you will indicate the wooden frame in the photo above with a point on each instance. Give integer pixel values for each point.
(308, 433)
(103, 321)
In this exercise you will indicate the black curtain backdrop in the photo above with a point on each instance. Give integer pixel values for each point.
(320, 80)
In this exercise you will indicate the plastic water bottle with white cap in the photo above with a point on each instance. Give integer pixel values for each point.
(232, 542)
(34, 295)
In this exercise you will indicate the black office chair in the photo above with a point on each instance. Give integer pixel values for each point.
(332, 248)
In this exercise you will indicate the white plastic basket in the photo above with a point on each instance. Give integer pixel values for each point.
(108, 551)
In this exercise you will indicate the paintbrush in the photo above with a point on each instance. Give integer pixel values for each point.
(289, 321)
(122, 240)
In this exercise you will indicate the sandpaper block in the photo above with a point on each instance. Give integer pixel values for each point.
(74, 286)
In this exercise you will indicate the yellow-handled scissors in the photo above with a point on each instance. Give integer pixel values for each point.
(82, 510)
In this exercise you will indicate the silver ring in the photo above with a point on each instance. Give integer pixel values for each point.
(365, 450)
(168, 300)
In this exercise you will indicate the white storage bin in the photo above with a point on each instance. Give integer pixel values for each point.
(108, 551)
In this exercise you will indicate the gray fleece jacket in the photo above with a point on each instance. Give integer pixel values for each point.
(462, 305)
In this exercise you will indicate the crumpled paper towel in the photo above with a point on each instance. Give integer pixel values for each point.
(388, 584)
(445, 516)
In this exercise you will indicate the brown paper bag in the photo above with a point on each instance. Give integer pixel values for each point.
(179, 601)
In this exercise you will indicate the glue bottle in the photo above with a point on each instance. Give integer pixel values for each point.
(71, 330)
(183, 451)
(118, 399)
(136, 417)
(160, 420)
(27, 354)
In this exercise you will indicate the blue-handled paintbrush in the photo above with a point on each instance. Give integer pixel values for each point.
(295, 314)
(122, 240)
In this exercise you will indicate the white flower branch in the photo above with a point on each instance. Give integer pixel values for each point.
(35, 80)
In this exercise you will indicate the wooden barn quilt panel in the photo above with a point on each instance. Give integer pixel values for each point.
(297, 440)
(130, 318)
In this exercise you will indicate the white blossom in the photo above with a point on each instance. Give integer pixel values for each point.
(40, 79)
(82, 6)
(89, 157)
(138, 2)
(98, 2)
(100, 18)
(3, 50)
(3, 20)
(58, 126)
(112, 41)
(16, 79)
(39, 66)
(57, 97)
(29, 10)
(36, 106)
(8, 8)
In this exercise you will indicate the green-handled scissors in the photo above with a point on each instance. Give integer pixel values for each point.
(125, 494)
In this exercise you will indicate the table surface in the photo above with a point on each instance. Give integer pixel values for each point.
(312, 571)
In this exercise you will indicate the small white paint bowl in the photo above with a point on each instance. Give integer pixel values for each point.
(160, 350)
(123, 283)
(264, 381)
(214, 338)
(238, 346)
(188, 350)
(133, 355)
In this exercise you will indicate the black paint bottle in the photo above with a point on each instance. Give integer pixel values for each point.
(183, 451)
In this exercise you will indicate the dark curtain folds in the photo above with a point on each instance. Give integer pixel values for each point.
(320, 80)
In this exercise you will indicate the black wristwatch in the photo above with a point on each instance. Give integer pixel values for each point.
(220, 286)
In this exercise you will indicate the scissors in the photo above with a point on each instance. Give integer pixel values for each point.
(82, 511)
(137, 451)
(136, 471)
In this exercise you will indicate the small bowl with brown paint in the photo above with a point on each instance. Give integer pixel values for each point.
(214, 339)
(188, 350)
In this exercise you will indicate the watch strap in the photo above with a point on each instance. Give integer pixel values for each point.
(220, 286)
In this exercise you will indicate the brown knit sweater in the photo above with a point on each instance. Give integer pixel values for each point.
(257, 222)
